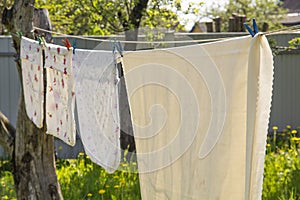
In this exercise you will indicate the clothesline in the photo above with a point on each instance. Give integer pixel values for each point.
(283, 30)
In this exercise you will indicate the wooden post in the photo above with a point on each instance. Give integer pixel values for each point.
(209, 27)
(217, 21)
(265, 27)
(231, 24)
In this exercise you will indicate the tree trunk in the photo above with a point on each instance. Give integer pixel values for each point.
(32, 154)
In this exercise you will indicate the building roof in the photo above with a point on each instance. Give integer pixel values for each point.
(292, 5)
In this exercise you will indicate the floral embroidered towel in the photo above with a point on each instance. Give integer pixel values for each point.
(60, 96)
(33, 82)
(96, 87)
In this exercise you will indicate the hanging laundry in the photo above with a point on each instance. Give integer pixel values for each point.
(96, 87)
(200, 115)
(33, 82)
(60, 96)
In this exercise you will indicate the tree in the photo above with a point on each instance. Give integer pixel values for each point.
(30, 149)
(264, 11)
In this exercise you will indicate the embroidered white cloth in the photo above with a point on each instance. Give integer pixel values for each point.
(60, 96)
(200, 116)
(96, 87)
(33, 82)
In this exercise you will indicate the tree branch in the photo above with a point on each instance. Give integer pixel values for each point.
(7, 134)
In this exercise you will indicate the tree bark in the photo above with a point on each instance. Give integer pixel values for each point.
(32, 154)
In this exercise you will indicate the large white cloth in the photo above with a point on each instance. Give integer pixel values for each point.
(96, 88)
(200, 115)
(60, 96)
(33, 82)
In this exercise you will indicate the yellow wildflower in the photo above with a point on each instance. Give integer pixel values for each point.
(89, 194)
(124, 164)
(81, 154)
(288, 127)
(116, 177)
(107, 186)
(294, 132)
(268, 145)
(275, 128)
(116, 186)
(295, 139)
(101, 191)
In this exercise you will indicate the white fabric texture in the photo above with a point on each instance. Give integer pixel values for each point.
(96, 87)
(33, 82)
(60, 96)
(200, 115)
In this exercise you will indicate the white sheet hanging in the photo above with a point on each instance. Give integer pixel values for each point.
(33, 82)
(96, 87)
(60, 96)
(200, 117)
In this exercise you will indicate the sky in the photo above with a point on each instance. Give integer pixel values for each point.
(192, 18)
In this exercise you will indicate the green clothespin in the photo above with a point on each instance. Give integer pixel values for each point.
(19, 33)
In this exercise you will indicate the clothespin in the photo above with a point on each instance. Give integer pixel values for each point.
(39, 39)
(74, 45)
(67, 43)
(19, 33)
(252, 32)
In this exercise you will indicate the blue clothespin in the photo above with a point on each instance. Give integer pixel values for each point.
(252, 32)
(74, 45)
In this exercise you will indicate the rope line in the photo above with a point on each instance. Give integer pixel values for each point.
(283, 30)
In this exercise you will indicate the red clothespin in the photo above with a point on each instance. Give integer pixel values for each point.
(67, 43)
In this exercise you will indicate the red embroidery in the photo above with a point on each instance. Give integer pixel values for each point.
(39, 68)
(54, 57)
(51, 67)
(37, 50)
(61, 122)
(54, 80)
(62, 83)
(66, 135)
(35, 78)
(49, 48)
(31, 66)
(50, 89)
(65, 71)
(65, 60)
(50, 115)
(27, 57)
(58, 50)
(73, 94)
(56, 106)
(57, 129)
(34, 113)
(31, 99)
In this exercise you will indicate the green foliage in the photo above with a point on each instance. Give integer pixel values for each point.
(102, 17)
(82, 179)
(282, 165)
(294, 43)
(268, 11)
(3, 4)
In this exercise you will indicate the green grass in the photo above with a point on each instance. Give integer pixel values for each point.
(82, 179)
